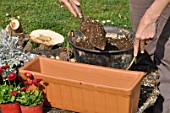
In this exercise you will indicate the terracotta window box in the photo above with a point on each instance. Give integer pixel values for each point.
(86, 88)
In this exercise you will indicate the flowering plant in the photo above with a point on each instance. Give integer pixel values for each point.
(8, 86)
(33, 96)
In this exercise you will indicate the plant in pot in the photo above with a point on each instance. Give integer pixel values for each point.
(30, 96)
(9, 90)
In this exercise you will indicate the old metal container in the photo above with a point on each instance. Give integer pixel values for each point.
(108, 58)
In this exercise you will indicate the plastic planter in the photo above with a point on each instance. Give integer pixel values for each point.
(86, 88)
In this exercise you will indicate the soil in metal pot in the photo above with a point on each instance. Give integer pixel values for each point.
(122, 43)
(111, 43)
(93, 36)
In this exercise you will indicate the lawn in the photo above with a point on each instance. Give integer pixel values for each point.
(50, 14)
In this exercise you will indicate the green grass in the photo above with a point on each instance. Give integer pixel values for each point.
(49, 14)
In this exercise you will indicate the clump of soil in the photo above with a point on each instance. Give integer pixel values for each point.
(95, 33)
(92, 35)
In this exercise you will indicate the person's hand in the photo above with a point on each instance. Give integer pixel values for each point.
(145, 31)
(69, 6)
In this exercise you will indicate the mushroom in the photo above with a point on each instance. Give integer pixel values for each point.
(46, 37)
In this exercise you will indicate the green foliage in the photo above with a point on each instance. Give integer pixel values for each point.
(5, 96)
(34, 45)
(30, 98)
(9, 88)
(12, 91)
(50, 14)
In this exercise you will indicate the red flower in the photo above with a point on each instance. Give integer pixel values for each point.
(34, 81)
(4, 77)
(36, 84)
(1, 70)
(12, 76)
(39, 79)
(27, 83)
(5, 67)
(23, 89)
(28, 74)
(14, 93)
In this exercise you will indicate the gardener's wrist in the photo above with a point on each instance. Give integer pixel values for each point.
(152, 15)
(155, 10)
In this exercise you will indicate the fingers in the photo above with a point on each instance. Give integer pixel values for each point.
(69, 6)
(139, 43)
(136, 47)
(76, 2)
(76, 8)
(142, 46)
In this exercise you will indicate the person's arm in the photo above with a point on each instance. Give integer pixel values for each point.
(147, 26)
(69, 6)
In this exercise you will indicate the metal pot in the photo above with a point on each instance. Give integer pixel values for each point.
(109, 58)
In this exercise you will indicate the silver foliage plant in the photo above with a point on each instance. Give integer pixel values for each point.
(10, 53)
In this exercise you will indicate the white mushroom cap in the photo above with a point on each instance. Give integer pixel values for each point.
(47, 37)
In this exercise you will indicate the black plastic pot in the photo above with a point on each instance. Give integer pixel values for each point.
(112, 58)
